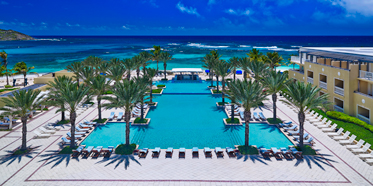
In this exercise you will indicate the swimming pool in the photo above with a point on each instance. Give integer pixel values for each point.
(187, 120)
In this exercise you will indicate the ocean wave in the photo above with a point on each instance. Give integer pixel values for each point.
(199, 45)
(173, 44)
(296, 46)
(47, 39)
(265, 47)
(244, 46)
(147, 49)
(283, 49)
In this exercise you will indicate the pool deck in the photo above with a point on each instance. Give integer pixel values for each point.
(335, 165)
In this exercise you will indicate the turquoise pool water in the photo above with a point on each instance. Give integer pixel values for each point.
(187, 120)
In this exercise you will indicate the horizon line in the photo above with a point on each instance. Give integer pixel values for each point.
(220, 35)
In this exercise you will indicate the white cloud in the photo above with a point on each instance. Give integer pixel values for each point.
(363, 7)
(4, 3)
(69, 25)
(211, 2)
(238, 12)
(231, 11)
(2, 22)
(43, 23)
(126, 28)
(189, 10)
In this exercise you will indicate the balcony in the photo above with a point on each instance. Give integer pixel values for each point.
(366, 95)
(295, 59)
(338, 109)
(323, 85)
(310, 80)
(339, 91)
(297, 70)
(366, 75)
(363, 118)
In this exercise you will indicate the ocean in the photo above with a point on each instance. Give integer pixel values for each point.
(53, 53)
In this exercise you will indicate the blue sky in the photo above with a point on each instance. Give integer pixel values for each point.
(188, 17)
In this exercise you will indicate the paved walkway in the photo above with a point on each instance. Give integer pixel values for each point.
(334, 166)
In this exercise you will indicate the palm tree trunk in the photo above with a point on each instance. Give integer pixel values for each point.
(77, 80)
(222, 91)
(301, 118)
(165, 66)
(62, 115)
(144, 69)
(24, 132)
(151, 92)
(128, 117)
(138, 72)
(99, 106)
(157, 66)
(142, 108)
(7, 76)
(217, 84)
(72, 129)
(232, 111)
(274, 99)
(129, 75)
(24, 80)
(245, 75)
(247, 114)
(234, 74)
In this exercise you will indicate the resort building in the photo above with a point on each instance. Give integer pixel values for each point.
(345, 73)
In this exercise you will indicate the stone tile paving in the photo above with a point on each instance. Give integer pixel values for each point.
(335, 165)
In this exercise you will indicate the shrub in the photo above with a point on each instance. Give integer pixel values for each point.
(271, 121)
(216, 92)
(103, 120)
(344, 117)
(46, 109)
(67, 150)
(250, 150)
(236, 120)
(139, 120)
(20, 152)
(161, 85)
(306, 150)
(123, 149)
(8, 86)
(66, 121)
(157, 91)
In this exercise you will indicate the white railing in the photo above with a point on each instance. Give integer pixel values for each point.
(339, 109)
(366, 95)
(366, 75)
(363, 118)
(310, 80)
(339, 91)
(295, 59)
(323, 85)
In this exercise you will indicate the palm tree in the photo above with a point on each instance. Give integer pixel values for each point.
(165, 56)
(4, 56)
(126, 95)
(249, 94)
(156, 54)
(222, 69)
(130, 65)
(99, 86)
(72, 96)
(244, 63)
(138, 63)
(145, 57)
(258, 68)
(87, 73)
(235, 63)
(116, 72)
(209, 63)
(54, 97)
(303, 97)
(21, 68)
(93, 62)
(21, 103)
(103, 68)
(274, 83)
(273, 59)
(150, 73)
(143, 82)
(255, 54)
(115, 62)
(75, 67)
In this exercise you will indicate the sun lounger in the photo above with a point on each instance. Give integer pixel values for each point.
(339, 132)
(182, 152)
(305, 135)
(195, 153)
(319, 118)
(322, 122)
(207, 152)
(324, 125)
(107, 152)
(156, 152)
(44, 130)
(358, 145)
(349, 141)
(291, 128)
(40, 135)
(143, 152)
(285, 152)
(77, 128)
(361, 150)
(86, 152)
(369, 161)
(77, 151)
(66, 141)
(169, 152)
(256, 116)
(313, 117)
(120, 116)
(276, 152)
(96, 151)
(219, 152)
(80, 133)
(365, 156)
(284, 124)
(292, 133)
(262, 116)
(344, 137)
(89, 122)
(310, 114)
(308, 141)
(264, 151)
(112, 115)
(85, 126)
(295, 152)
(242, 115)
(230, 152)
(331, 129)
(77, 136)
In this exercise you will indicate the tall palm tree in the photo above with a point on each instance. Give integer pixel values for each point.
(4, 56)
(116, 72)
(126, 95)
(75, 67)
(22, 68)
(138, 63)
(209, 63)
(165, 56)
(255, 54)
(303, 97)
(150, 73)
(156, 54)
(274, 83)
(54, 97)
(250, 95)
(72, 96)
(235, 63)
(93, 62)
(103, 68)
(145, 57)
(258, 68)
(143, 83)
(99, 86)
(273, 59)
(87, 73)
(21, 103)
(222, 69)
(130, 65)
(115, 62)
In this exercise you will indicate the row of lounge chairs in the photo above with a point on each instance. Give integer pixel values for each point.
(94, 152)
(256, 116)
(293, 130)
(195, 152)
(80, 131)
(282, 152)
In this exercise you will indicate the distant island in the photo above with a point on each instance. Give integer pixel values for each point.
(11, 35)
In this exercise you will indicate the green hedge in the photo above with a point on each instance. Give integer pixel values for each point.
(67, 150)
(8, 89)
(8, 86)
(125, 149)
(350, 119)
(157, 91)
(63, 122)
(216, 92)
(103, 120)
(271, 121)
(139, 120)
(161, 85)
(306, 150)
(236, 120)
(250, 150)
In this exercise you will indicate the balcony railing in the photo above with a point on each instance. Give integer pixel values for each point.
(338, 109)
(310, 80)
(363, 118)
(339, 91)
(366, 95)
(298, 71)
(366, 75)
(295, 59)
(323, 85)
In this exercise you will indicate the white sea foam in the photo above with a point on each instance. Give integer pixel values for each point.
(47, 39)
(283, 49)
(199, 45)
(173, 44)
(149, 49)
(296, 46)
(244, 46)
(265, 47)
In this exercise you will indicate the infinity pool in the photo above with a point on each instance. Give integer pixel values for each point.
(187, 120)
